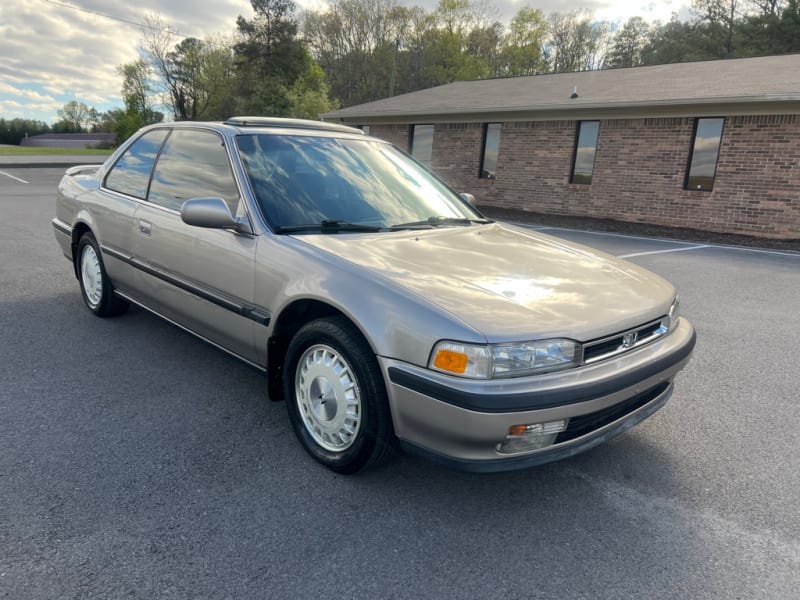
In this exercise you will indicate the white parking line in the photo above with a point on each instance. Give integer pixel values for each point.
(661, 251)
(13, 177)
(694, 245)
(603, 233)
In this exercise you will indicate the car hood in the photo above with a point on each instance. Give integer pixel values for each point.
(510, 283)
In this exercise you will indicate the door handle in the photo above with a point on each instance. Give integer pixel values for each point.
(145, 228)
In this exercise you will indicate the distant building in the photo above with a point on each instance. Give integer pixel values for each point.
(708, 145)
(69, 140)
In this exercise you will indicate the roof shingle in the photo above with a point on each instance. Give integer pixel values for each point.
(746, 80)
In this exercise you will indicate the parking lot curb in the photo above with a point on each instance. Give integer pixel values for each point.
(47, 165)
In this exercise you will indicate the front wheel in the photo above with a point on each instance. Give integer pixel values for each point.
(96, 288)
(336, 396)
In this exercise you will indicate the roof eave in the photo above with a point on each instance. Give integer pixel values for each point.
(760, 104)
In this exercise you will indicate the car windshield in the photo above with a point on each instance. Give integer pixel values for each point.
(314, 183)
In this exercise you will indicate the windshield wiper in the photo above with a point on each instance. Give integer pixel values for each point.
(328, 226)
(440, 222)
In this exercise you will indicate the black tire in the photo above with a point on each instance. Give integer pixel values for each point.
(373, 440)
(100, 299)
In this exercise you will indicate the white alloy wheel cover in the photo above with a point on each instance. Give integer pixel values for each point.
(328, 398)
(91, 276)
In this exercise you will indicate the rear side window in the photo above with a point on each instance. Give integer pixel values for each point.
(193, 164)
(131, 173)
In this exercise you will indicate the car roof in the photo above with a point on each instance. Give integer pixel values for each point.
(249, 125)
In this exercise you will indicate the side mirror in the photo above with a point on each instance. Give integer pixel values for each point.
(468, 197)
(208, 212)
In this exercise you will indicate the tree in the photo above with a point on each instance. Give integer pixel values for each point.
(185, 73)
(628, 43)
(456, 17)
(485, 44)
(75, 117)
(523, 51)
(577, 42)
(309, 94)
(137, 94)
(787, 29)
(357, 43)
(672, 42)
(772, 8)
(447, 52)
(717, 22)
(218, 79)
(137, 88)
(771, 29)
(13, 131)
(269, 58)
(158, 39)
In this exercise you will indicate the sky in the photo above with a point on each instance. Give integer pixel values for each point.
(51, 54)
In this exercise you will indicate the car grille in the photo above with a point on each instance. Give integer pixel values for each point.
(587, 423)
(624, 341)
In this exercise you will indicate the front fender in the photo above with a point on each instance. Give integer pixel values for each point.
(396, 322)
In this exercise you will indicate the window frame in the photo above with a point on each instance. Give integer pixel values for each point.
(176, 130)
(104, 184)
(693, 150)
(484, 139)
(578, 131)
(412, 134)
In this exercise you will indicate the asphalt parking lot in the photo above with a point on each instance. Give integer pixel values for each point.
(138, 462)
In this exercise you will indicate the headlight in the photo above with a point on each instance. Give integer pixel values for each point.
(503, 360)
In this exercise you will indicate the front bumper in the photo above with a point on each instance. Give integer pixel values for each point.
(63, 235)
(460, 422)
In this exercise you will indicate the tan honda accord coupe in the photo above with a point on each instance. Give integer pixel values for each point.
(384, 309)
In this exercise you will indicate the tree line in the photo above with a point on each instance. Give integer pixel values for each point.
(284, 63)
(371, 49)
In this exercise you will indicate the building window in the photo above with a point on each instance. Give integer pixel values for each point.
(422, 143)
(705, 152)
(491, 147)
(585, 149)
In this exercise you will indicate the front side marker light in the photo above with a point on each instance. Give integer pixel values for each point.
(447, 360)
(465, 360)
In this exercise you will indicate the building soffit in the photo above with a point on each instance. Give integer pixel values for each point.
(719, 108)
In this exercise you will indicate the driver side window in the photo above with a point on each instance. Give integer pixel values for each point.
(193, 164)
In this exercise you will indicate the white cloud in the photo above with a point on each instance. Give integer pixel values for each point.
(27, 94)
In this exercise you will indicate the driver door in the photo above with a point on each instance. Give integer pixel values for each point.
(201, 278)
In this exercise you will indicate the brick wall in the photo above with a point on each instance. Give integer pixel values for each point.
(396, 134)
(639, 172)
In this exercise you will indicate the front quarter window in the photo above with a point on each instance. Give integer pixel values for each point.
(131, 173)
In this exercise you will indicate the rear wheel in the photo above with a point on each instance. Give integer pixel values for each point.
(336, 396)
(96, 288)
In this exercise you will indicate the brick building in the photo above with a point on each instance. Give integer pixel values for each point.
(709, 145)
